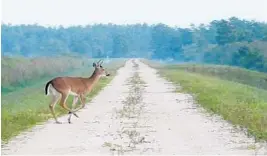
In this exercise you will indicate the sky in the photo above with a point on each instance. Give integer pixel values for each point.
(180, 13)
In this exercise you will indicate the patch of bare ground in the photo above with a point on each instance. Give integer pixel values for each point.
(138, 113)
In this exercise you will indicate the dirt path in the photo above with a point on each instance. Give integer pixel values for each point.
(137, 113)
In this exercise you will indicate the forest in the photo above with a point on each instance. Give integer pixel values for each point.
(232, 41)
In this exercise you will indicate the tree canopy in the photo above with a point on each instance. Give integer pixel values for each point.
(221, 41)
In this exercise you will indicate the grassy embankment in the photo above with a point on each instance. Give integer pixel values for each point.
(24, 103)
(238, 95)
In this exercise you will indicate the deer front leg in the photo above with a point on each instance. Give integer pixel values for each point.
(82, 99)
(63, 104)
(75, 99)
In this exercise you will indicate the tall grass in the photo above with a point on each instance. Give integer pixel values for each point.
(240, 75)
(28, 106)
(241, 104)
(18, 72)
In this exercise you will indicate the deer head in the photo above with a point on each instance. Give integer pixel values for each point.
(99, 70)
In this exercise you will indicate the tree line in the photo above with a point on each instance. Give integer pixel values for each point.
(230, 41)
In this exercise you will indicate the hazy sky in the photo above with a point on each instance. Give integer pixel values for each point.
(171, 12)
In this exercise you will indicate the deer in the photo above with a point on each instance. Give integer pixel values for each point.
(78, 87)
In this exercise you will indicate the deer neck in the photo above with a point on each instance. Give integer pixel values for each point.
(94, 78)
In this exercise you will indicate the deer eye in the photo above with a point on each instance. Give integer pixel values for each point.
(101, 66)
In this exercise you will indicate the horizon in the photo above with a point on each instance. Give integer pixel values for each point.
(126, 24)
(88, 12)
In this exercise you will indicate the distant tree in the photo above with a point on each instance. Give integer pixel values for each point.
(216, 42)
(120, 46)
(249, 58)
(186, 36)
(166, 42)
(224, 32)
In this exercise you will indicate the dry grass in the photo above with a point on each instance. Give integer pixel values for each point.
(30, 105)
(20, 72)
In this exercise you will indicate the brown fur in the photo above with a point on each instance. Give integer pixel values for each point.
(77, 85)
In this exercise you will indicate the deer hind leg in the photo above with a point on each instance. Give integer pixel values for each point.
(54, 101)
(75, 100)
(63, 104)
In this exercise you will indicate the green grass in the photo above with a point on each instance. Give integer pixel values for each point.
(28, 106)
(240, 75)
(241, 104)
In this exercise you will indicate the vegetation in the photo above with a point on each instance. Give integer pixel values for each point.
(236, 98)
(18, 72)
(30, 105)
(30, 51)
(230, 41)
(236, 74)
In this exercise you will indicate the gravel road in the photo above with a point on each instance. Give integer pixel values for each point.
(137, 113)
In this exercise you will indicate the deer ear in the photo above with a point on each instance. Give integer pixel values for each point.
(101, 62)
(94, 65)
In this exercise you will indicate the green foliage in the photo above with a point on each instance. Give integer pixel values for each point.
(241, 104)
(166, 42)
(235, 74)
(91, 41)
(217, 42)
(120, 46)
(18, 72)
(250, 59)
(30, 105)
(225, 33)
(238, 54)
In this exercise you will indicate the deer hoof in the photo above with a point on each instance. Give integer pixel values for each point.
(76, 115)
